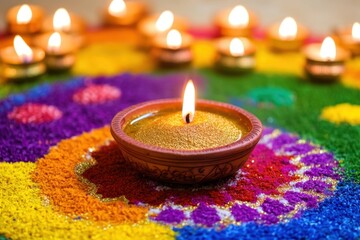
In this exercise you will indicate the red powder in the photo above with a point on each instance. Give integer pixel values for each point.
(262, 173)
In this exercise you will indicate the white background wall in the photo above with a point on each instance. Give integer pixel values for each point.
(321, 16)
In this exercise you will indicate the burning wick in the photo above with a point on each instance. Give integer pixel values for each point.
(188, 109)
(187, 118)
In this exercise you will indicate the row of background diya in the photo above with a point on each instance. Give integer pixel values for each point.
(56, 40)
(234, 48)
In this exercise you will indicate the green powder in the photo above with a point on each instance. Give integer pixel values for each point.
(301, 117)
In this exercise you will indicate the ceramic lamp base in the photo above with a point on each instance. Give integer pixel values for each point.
(24, 72)
(173, 58)
(344, 38)
(322, 72)
(278, 45)
(353, 47)
(60, 63)
(186, 166)
(32, 27)
(235, 32)
(230, 64)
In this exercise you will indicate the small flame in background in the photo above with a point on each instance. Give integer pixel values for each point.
(22, 49)
(54, 42)
(61, 20)
(328, 49)
(239, 16)
(173, 39)
(165, 21)
(356, 31)
(24, 14)
(236, 47)
(288, 28)
(117, 8)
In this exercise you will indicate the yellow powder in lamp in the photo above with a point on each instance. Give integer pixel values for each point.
(167, 129)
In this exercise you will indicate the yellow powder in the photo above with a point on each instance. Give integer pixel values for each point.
(27, 214)
(168, 130)
(351, 76)
(342, 113)
(113, 58)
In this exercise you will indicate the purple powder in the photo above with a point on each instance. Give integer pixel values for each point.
(170, 215)
(320, 158)
(205, 215)
(269, 219)
(324, 171)
(317, 186)
(243, 213)
(299, 148)
(296, 197)
(267, 131)
(27, 142)
(278, 142)
(274, 207)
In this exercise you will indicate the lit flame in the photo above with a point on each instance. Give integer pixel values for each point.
(165, 21)
(188, 108)
(61, 20)
(22, 49)
(54, 42)
(328, 49)
(173, 39)
(356, 31)
(239, 16)
(24, 14)
(288, 28)
(117, 7)
(236, 47)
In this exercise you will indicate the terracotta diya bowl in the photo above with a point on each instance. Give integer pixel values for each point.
(181, 165)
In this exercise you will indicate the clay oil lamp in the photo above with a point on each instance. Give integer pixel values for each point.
(286, 36)
(186, 142)
(236, 22)
(68, 25)
(59, 49)
(172, 49)
(21, 62)
(24, 19)
(160, 24)
(325, 61)
(124, 14)
(235, 55)
(349, 38)
(63, 21)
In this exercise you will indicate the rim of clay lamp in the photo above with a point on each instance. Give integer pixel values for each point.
(209, 154)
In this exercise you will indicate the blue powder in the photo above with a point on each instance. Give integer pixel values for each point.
(336, 218)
